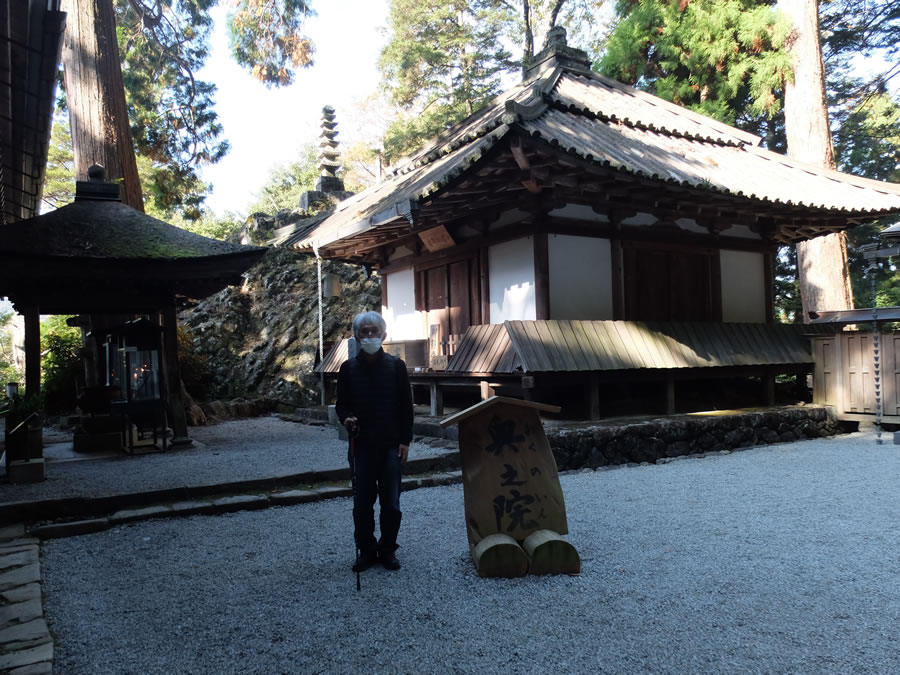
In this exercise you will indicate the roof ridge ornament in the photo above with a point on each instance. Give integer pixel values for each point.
(97, 188)
(557, 53)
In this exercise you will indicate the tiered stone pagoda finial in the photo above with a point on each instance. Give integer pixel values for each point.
(329, 155)
(329, 187)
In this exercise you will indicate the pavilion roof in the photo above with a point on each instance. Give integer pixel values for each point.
(569, 135)
(102, 256)
(91, 229)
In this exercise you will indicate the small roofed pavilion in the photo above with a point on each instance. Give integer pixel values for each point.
(98, 256)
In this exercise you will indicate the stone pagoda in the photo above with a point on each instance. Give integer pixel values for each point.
(329, 187)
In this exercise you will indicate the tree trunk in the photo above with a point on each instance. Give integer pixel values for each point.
(95, 95)
(821, 262)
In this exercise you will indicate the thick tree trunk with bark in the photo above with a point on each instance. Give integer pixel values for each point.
(821, 262)
(95, 95)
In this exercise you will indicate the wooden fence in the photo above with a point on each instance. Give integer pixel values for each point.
(845, 374)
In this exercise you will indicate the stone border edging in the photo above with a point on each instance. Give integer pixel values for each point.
(51, 509)
(226, 504)
(26, 645)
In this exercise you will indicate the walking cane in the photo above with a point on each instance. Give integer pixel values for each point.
(353, 489)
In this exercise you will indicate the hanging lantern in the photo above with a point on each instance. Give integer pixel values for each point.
(331, 286)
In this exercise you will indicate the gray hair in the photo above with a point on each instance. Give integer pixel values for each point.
(373, 318)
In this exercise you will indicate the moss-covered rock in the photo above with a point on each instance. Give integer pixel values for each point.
(261, 340)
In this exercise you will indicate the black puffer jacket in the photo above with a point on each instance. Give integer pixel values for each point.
(378, 395)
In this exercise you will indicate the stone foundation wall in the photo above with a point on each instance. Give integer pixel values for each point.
(654, 440)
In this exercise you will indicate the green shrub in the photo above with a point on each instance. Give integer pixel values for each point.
(60, 363)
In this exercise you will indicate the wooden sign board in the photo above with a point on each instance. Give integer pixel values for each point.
(514, 504)
(436, 239)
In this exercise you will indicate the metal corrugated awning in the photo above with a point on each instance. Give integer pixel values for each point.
(593, 346)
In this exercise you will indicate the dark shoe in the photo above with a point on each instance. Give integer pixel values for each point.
(365, 561)
(390, 562)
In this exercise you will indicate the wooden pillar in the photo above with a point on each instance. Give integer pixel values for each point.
(436, 399)
(173, 376)
(528, 387)
(541, 276)
(769, 384)
(484, 285)
(486, 390)
(670, 393)
(593, 396)
(32, 350)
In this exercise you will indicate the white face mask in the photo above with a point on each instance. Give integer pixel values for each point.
(370, 345)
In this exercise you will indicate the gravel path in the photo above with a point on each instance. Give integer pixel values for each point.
(262, 447)
(783, 559)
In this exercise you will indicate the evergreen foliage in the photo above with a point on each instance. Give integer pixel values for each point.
(442, 63)
(721, 58)
(8, 370)
(174, 125)
(60, 363)
(265, 38)
(59, 177)
(286, 184)
(445, 60)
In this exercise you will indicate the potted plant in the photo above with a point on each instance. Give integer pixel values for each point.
(25, 441)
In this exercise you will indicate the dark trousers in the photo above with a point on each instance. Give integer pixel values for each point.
(378, 474)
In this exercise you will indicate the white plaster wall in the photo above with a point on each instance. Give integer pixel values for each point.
(509, 217)
(743, 286)
(641, 219)
(580, 277)
(400, 252)
(741, 231)
(691, 225)
(511, 280)
(403, 321)
(580, 212)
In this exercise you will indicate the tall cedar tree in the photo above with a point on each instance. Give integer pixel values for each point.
(162, 44)
(821, 262)
(98, 117)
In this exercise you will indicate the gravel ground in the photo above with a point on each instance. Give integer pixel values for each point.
(782, 559)
(262, 447)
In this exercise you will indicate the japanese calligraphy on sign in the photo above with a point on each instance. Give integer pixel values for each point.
(515, 512)
(509, 475)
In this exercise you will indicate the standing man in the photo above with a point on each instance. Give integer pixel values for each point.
(374, 403)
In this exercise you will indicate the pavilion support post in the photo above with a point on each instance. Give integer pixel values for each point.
(32, 350)
(593, 396)
(670, 394)
(173, 377)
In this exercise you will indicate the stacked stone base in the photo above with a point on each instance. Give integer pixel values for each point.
(650, 441)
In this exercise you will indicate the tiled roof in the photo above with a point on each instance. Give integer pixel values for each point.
(619, 129)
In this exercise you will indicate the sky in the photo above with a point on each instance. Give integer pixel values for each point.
(267, 127)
